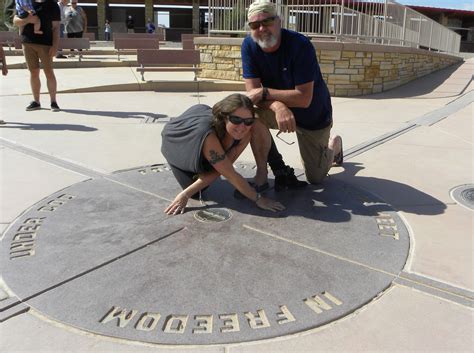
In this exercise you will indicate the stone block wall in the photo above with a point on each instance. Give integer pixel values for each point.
(349, 69)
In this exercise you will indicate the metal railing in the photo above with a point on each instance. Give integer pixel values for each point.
(373, 21)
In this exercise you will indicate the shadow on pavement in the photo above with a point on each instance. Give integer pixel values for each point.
(116, 114)
(422, 86)
(408, 198)
(335, 201)
(50, 127)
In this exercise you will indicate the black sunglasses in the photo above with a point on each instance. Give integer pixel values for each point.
(266, 22)
(237, 120)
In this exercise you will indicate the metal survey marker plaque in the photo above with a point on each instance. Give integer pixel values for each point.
(102, 256)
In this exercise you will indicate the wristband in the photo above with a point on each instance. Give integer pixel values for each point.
(264, 93)
(259, 196)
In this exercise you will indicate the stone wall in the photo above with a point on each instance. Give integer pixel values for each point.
(349, 69)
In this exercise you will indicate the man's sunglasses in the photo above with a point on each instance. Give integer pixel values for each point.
(265, 23)
(237, 120)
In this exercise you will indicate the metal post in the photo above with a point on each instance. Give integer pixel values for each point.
(384, 21)
(439, 42)
(447, 42)
(195, 16)
(419, 33)
(431, 35)
(341, 19)
(404, 25)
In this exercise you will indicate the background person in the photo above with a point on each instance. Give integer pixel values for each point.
(62, 8)
(282, 76)
(130, 24)
(108, 30)
(202, 144)
(76, 21)
(150, 27)
(3, 63)
(42, 48)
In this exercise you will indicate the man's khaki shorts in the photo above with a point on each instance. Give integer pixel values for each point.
(34, 53)
(313, 146)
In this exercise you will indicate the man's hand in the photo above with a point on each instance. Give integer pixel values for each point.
(255, 94)
(284, 117)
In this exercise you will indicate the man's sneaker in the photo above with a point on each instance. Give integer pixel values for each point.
(286, 179)
(33, 106)
(55, 107)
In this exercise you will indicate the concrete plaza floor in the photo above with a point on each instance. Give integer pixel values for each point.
(409, 146)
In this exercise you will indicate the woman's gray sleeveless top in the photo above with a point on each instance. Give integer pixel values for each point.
(183, 138)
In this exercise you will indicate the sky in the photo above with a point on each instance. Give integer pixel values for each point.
(446, 4)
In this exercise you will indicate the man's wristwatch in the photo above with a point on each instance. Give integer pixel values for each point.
(264, 93)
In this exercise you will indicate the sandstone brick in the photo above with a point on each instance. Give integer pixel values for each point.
(346, 71)
(377, 88)
(357, 78)
(354, 92)
(206, 58)
(221, 60)
(330, 55)
(390, 85)
(372, 71)
(366, 84)
(226, 67)
(226, 75)
(206, 66)
(342, 64)
(339, 79)
(231, 54)
(348, 54)
(355, 61)
(327, 68)
(340, 92)
(385, 66)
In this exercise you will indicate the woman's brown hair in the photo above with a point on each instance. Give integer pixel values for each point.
(221, 110)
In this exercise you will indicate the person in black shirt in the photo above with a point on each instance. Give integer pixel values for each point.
(42, 48)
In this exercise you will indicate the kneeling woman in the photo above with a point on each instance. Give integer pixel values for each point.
(203, 143)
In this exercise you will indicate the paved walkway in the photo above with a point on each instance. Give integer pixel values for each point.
(409, 146)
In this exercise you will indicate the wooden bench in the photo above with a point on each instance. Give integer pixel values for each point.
(73, 43)
(159, 36)
(121, 44)
(187, 40)
(10, 39)
(166, 60)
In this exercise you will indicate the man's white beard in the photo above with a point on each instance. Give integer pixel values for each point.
(267, 42)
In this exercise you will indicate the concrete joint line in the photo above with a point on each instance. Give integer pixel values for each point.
(365, 146)
(70, 166)
(14, 302)
(428, 119)
(439, 114)
(455, 294)
(51, 159)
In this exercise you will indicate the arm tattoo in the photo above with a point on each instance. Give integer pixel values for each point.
(215, 157)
